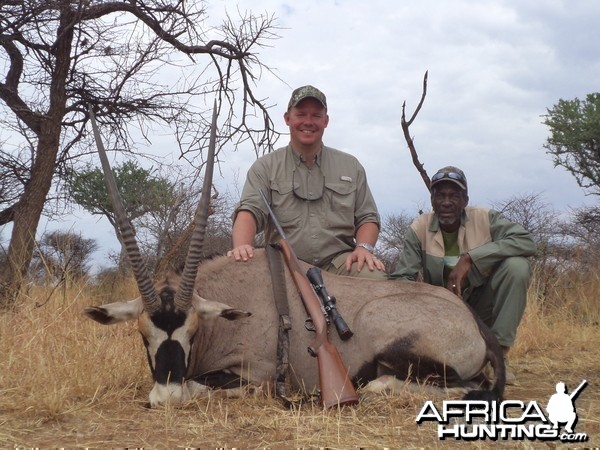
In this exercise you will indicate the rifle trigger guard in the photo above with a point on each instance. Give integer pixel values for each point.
(308, 324)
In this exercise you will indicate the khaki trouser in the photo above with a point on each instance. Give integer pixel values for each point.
(500, 298)
(338, 266)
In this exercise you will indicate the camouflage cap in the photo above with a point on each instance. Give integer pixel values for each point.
(452, 174)
(305, 92)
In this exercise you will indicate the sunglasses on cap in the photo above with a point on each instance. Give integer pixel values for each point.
(452, 175)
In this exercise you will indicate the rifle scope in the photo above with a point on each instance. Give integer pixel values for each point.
(316, 279)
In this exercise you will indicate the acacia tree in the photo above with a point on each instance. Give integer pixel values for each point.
(143, 193)
(61, 56)
(140, 190)
(574, 141)
(160, 204)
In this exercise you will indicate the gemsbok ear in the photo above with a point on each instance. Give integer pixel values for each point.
(115, 312)
(207, 309)
(235, 314)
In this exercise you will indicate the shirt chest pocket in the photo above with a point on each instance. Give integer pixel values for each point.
(285, 205)
(341, 199)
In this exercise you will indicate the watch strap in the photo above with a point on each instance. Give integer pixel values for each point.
(366, 246)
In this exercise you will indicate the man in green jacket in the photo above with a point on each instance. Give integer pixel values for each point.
(474, 252)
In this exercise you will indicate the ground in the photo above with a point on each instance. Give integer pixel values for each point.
(377, 422)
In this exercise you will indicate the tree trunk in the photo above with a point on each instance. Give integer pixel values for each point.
(28, 210)
(27, 216)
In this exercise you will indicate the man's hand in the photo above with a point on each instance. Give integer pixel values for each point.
(244, 231)
(360, 256)
(459, 274)
(242, 253)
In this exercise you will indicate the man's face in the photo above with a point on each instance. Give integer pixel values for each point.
(307, 122)
(448, 201)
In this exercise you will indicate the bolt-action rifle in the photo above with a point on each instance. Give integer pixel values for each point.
(316, 279)
(335, 385)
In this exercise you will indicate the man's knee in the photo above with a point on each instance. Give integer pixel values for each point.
(515, 269)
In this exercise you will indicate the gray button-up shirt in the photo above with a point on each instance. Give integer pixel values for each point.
(319, 208)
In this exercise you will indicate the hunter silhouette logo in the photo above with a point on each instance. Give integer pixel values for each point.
(561, 406)
(471, 420)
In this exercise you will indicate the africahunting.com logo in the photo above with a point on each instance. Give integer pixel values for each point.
(471, 420)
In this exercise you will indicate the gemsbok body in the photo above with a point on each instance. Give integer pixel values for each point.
(216, 325)
(409, 330)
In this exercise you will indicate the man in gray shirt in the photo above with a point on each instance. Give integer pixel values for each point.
(319, 194)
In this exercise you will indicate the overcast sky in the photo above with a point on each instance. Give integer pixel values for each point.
(494, 68)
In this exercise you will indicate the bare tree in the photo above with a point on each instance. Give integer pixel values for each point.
(565, 244)
(561, 244)
(583, 233)
(218, 235)
(60, 56)
(12, 170)
(61, 256)
(540, 219)
(391, 239)
(536, 216)
(170, 217)
(409, 140)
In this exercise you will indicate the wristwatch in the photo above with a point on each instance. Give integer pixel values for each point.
(366, 246)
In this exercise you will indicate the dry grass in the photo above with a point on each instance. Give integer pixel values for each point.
(68, 382)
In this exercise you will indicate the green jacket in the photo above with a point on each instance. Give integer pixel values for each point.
(484, 234)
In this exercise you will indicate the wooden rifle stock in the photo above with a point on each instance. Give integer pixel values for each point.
(336, 387)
